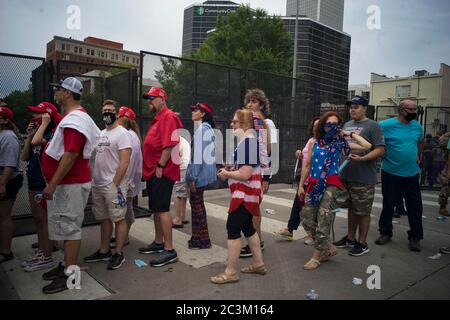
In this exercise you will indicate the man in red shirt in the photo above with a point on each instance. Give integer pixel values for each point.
(161, 170)
(65, 166)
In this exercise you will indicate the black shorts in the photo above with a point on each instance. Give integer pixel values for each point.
(240, 220)
(159, 193)
(12, 187)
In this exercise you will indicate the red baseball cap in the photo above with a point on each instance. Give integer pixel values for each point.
(127, 112)
(6, 112)
(203, 106)
(47, 107)
(156, 92)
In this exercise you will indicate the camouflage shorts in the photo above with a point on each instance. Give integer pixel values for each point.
(356, 196)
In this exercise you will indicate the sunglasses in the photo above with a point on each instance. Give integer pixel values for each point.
(151, 98)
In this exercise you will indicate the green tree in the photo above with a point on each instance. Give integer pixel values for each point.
(18, 101)
(249, 39)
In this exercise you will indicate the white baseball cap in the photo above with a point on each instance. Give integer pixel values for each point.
(71, 84)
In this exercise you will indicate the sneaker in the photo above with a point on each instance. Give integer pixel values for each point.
(116, 261)
(309, 241)
(444, 250)
(284, 234)
(359, 249)
(55, 273)
(57, 285)
(345, 243)
(152, 248)
(41, 263)
(414, 245)
(164, 258)
(32, 260)
(98, 256)
(383, 239)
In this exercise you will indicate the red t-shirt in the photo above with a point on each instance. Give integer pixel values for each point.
(80, 172)
(163, 133)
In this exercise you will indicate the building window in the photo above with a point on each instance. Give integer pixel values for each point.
(127, 59)
(92, 52)
(403, 91)
(123, 58)
(68, 47)
(103, 54)
(76, 49)
(134, 60)
(88, 51)
(63, 46)
(80, 49)
(138, 61)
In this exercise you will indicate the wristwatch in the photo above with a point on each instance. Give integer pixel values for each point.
(159, 165)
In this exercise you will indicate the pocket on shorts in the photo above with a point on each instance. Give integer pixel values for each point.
(68, 225)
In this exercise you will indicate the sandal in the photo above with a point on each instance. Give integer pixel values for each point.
(312, 264)
(262, 270)
(327, 254)
(224, 278)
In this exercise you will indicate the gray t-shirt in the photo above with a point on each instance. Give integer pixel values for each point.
(9, 151)
(363, 172)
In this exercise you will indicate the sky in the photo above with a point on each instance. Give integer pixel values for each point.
(413, 34)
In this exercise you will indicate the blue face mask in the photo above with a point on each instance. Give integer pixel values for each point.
(331, 127)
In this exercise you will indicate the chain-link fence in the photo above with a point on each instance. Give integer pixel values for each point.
(26, 81)
(188, 82)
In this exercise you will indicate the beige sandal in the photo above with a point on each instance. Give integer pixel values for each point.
(312, 264)
(329, 253)
(262, 270)
(224, 278)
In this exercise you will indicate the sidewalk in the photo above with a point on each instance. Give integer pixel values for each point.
(404, 274)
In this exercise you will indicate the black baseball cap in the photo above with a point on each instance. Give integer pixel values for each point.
(358, 100)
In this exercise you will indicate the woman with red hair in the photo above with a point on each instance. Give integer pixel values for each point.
(321, 176)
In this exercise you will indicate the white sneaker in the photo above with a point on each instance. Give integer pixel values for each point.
(40, 264)
(33, 259)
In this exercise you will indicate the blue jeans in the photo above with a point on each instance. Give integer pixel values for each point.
(410, 187)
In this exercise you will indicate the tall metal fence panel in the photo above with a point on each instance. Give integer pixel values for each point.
(26, 81)
(188, 82)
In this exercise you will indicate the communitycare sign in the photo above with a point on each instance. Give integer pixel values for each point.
(199, 11)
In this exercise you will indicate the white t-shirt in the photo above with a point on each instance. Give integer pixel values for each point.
(107, 155)
(185, 153)
(272, 130)
(134, 171)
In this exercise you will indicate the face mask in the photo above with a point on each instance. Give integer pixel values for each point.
(331, 127)
(109, 118)
(411, 116)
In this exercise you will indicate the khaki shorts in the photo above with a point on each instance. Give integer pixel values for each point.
(180, 188)
(356, 196)
(66, 211)
(102, 203)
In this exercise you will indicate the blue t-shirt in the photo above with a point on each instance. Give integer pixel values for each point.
(401, 147)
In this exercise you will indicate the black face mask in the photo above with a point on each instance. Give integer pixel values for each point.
(109, 118)
(410, 116)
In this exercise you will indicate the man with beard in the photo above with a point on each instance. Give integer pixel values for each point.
(400, 171)
(161, 171)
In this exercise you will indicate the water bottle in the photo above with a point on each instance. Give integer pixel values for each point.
(312, 295)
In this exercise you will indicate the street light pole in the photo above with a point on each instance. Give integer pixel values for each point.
(294, 65)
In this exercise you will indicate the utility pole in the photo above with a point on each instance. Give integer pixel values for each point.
(294, 65)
